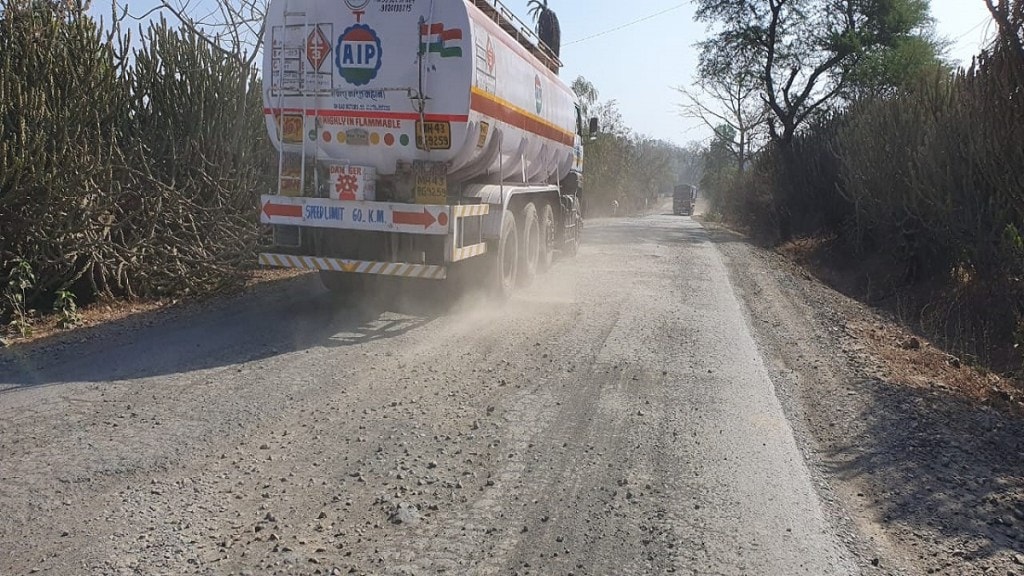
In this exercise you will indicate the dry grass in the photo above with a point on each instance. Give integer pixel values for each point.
(903, 354)
(911, 360)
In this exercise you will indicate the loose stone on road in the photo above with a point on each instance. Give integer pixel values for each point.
(614, 418)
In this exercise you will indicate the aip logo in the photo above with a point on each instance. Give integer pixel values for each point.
(357, 56)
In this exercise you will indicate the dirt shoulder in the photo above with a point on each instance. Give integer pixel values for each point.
(45, 325)
(924, 455)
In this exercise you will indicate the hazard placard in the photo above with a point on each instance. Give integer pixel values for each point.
(317, 48)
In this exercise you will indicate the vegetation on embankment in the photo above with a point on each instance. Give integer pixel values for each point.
(915, 197)
(123, 172)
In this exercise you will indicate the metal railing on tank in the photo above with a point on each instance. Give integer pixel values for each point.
(519, 30)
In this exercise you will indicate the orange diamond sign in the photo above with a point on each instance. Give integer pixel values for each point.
(317, 48)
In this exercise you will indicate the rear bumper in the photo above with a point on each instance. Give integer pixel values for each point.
(458, 229)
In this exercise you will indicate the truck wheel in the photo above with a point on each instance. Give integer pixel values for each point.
(341, 283)
(529, 252)
(506, 261)
(547, 237)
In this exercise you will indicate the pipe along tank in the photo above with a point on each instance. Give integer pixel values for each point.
(414, 135)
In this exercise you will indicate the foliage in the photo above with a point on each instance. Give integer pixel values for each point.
(624, 167)
(1009, 17)
(66, 309)
(213, 168)
(730, 103)
(803, 52)
(886, 71)
(120, 179)
(19, 282)
(923, 182)
(586, 95)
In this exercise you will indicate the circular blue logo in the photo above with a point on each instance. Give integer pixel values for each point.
(357, 56)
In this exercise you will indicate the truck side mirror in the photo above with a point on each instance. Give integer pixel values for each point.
(593, 126)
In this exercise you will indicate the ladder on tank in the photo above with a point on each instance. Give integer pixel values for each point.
(291, 184)
(289, 24)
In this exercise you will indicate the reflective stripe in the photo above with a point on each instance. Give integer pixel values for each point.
(469, 251)
(470, 210)
(402, 269)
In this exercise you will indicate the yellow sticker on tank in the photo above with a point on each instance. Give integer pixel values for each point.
(484, 129)
(291, 128)
(436, 135)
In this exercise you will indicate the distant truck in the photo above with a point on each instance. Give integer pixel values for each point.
(416, 135)
(684, 197)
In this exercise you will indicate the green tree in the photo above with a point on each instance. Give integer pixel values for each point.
(621, 165)
(804, 53)
(586, 95)
(899, 64)
(719, 165)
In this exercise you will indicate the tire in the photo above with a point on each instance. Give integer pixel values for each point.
(547, 237)
(506, 261)
(342, 283)
(530, 245)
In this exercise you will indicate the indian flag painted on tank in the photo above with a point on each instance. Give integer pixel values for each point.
(434, 38)
(358, 54)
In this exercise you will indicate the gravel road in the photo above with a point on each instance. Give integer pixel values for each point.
(614, 418)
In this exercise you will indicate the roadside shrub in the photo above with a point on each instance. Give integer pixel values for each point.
(809, 199)
(750, 199)
(929, 181)
(62, 118)
(198, 120)
(19, 283)
(118, 179)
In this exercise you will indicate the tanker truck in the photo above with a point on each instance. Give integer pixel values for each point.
(417, 139)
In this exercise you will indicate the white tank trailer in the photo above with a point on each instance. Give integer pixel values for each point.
(413, 135)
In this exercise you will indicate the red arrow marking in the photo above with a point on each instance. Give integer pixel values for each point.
(291, 210)
(425, 218)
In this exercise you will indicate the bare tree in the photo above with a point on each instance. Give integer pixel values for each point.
(232, 27)
(733, 100)
(801, 51)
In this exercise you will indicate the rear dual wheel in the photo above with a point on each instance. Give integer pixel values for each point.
(506, 261)
(526, 247)
(529, 254)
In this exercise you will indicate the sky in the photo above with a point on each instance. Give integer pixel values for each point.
(639, 64)
(636, 52)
